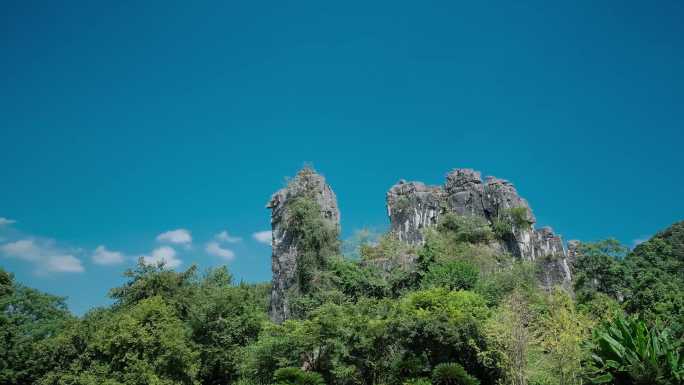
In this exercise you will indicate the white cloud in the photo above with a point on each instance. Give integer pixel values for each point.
(179, 236)
(164, 254)
(44, 254)
(102, 256)
(4, 221)
(25, 249)
(223, 236)
(64, 264)
(263, 237)
(213, 248)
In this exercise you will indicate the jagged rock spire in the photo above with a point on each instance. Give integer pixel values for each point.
(307, 183)
(413, 206)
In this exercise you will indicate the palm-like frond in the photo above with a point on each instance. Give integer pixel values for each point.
(627, 351)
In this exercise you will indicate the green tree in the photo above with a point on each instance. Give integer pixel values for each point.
(147, 281)
(453, 275)
(443, 326)
(27, 317)
(224, 319)
(598, 269)
(510, 339)
(560, 331)
(145, 343)
(655, 276)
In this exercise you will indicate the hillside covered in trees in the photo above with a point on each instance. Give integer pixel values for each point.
(462, 290)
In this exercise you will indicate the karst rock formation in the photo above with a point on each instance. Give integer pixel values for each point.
(307, 183)
(412, 207)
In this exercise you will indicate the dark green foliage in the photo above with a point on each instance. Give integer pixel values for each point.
(628, 352)
(27, 318)
(377, 341)
(648, 281)
(316, 239)
(224, 319)
(356, 280)
(145, 343)
(655, 277)
(296, 376)
(453, 275)
(442, 325)
(452, 374)
(5, 283)
(147, 281)
(598, 269)
(464, 315)
(166, 328)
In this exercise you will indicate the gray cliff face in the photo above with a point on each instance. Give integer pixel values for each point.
(573, 251)
(465, 192)
(309, 184)
(413, 206)
(552, 258)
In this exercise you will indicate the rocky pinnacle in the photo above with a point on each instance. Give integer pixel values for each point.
(414, 206)
(307, 183)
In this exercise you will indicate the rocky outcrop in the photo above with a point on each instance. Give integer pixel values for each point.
(551, 257)
(307, 183)
(413, 206)
(573, 252)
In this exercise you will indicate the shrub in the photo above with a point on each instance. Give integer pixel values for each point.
(452, 374)
(454, 275)
(356, 280)
(465, 228)
(296, 376)
(510, 219)
(519, 216)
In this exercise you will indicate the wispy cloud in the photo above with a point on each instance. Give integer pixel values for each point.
(263, 236)
(178, 236)
(102, 256)
(215, 249)
(44, 254)
(163, 254)
(223, 236)
(5, 221)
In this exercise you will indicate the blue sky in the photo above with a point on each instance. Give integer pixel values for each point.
(121, 122)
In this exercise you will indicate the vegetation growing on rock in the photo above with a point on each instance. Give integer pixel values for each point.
(457, 308)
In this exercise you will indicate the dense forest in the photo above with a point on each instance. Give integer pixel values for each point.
(464, 314)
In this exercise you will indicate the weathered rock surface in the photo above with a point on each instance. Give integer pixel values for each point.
(307, 183)
(548, 252)
(413, 206)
